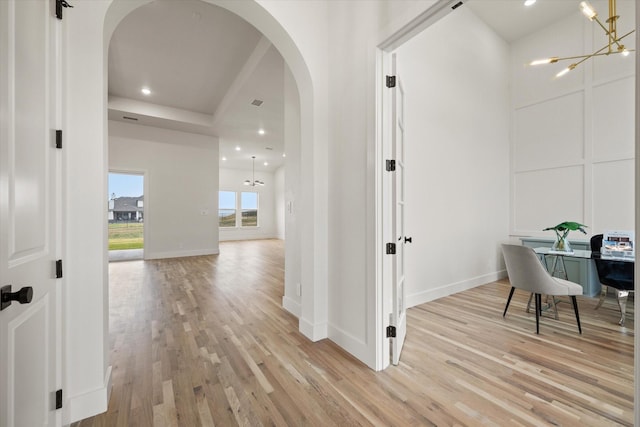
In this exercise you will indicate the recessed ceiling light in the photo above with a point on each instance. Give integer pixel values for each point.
(529, 2)
(266, 163)
(261, 131)
(224, 159)
(145, 91)
(284, 154)
(238, 148)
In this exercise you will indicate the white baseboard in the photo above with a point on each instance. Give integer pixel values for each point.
(292, 306)
(313, 332)
(180, 254)
(92, 403)
(353, 345)
(453, 288)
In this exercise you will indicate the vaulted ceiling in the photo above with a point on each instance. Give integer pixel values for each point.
(205, 67)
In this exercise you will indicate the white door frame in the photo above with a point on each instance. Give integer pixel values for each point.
(383, 214)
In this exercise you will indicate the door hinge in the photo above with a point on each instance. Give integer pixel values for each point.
(58, 138)
(391, 81)
(59, 5)
(391, 248)
(391, 165)
(457, 5)
(391, 331)
(59, 399)
(59, 269)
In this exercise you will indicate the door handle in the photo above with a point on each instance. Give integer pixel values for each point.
(407, 239)
(23, 296)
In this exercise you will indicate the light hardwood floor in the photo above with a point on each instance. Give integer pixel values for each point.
(204, 341)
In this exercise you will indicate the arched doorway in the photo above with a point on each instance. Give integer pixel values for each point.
(86, 305)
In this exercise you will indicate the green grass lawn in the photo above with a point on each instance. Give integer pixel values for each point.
(127, 235)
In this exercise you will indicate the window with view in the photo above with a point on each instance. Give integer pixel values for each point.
(227, 209)
(237, 209)
(249, 206)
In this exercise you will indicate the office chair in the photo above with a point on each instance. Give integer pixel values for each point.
(613, 274)
(526, 272)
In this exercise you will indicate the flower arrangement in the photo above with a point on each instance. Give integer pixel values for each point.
(562, 230)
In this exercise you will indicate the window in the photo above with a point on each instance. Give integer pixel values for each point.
(249, 206)
(226, 209)
(237, 209)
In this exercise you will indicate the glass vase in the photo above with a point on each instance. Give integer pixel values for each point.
(561, 244)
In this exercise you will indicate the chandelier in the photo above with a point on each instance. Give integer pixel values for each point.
(613, 45)
(253, 182)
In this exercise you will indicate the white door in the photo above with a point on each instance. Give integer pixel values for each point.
(30, 344)
(398, 312)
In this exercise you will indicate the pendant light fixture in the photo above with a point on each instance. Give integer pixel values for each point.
(253, 182)
(613, 45)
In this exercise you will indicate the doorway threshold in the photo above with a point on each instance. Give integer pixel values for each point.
(126, 255)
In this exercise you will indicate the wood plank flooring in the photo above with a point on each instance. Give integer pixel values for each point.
(203, 341)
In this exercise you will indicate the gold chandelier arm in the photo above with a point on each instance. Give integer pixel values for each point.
(597, 52)
(610, 35)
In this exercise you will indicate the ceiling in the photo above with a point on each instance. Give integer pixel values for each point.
(512, 20)
(205, 66)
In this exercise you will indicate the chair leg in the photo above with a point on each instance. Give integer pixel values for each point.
(508, 301)
(575, 308)
(529, 302)
(538, 303)
(622, 303)
(603, 295)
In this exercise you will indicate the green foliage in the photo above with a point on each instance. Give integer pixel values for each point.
(568, 226)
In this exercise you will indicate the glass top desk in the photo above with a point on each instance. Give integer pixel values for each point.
(558, 267)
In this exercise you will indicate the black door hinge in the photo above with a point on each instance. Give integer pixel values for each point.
(391, 81)
(58, 138)
(59, 5)
(391, 248)
(391, 331)
(59, 269)
(59, 399)
(457, 5)
(391, 165)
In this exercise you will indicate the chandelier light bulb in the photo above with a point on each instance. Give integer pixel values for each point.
(566, 70)
(529, 2)
(587, 10)
(625, 52)
(544, 61)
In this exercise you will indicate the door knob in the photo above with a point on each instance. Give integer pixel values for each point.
(407, 239)
(23, 296)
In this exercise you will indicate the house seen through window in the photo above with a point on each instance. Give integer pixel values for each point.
(237, 209)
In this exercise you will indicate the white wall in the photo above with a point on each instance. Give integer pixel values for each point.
(292, 196)
(573, 137)
(278, 181)
(457, 156)
(233, 180)
(181, 207)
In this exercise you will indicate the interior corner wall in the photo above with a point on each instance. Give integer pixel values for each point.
(456, 156)
(233, 180)
(182, 173)
(573, 137)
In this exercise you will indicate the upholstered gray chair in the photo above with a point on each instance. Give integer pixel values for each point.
(526, 272)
